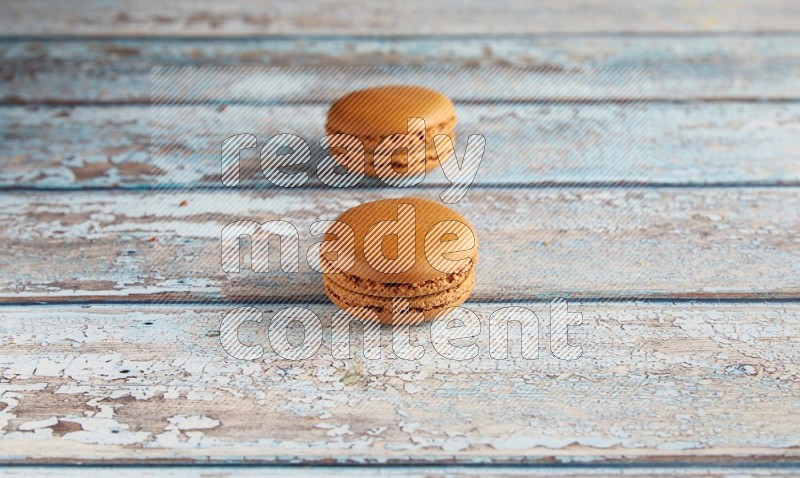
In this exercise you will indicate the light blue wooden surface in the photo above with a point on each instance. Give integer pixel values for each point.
(536, 242)
(705, 379)
(673, 383)
(458, 471)
(534, 143)
(684, 67)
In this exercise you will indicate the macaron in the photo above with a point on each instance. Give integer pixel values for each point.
(374, 114)
(399, 253)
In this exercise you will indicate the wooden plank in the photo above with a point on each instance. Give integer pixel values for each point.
(535, 243)
(251, 17)
(459, 471)
(678, 144)
(657, 382)
(689, 68)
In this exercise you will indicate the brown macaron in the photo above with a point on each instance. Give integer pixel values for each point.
(406, 248)
(377, 116)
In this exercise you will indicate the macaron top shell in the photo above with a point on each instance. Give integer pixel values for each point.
(381, 111)
(375, 226)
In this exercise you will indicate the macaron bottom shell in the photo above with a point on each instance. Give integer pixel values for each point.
(429, 305)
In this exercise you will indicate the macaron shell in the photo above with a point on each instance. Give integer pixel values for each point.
(377, 113)
(426, 214)
(385, 110)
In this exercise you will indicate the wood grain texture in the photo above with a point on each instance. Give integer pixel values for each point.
(678, 144)
(656, 382)
(663, 388)
(252, 17)
(572, 242)
(416, 471)
(688, 68)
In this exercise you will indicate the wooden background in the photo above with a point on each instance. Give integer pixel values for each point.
(693, 368)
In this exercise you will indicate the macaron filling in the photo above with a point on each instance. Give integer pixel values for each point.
(430, 160)
(430, 131)
(421, 303)
(382, 289)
